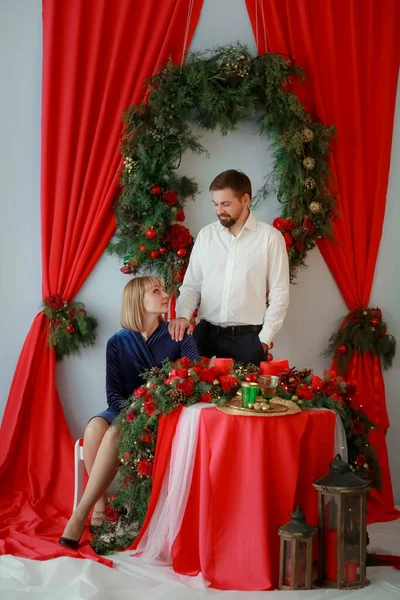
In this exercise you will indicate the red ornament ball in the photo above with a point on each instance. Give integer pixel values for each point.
(156, 190)
(142, 248)
(70, 328)
(270, 357)
(151, 233)
(271, 345)
(251, 378)
(181, 252)
(180, 216)
(375, 321)
(162, 250)
(342, 349)
(154, 254)
(170, 197)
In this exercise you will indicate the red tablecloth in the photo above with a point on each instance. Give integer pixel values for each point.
(249, 473)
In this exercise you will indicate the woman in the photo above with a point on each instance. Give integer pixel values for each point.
(142, 343)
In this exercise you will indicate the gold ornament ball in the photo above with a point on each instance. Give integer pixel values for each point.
(307, 134)
(148, 385)
(265, 407)
(250, 405)
(294, 398)
(215, 382)
(315, 207)
(309, 163)
(310, 183)
(257, 406)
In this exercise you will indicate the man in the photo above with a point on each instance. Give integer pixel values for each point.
(234, 264)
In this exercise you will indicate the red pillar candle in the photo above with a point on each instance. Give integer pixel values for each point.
(351, 570)
(331, 555)
(225, 365)
(268, 368)
(274, 367)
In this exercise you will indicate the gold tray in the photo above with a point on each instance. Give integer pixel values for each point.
(278, 407)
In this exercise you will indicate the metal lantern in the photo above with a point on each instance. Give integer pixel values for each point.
(342, 527)
(295, 566)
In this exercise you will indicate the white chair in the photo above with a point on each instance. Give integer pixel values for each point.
(79, 467)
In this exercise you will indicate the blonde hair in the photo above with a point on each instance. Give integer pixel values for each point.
(132, 311)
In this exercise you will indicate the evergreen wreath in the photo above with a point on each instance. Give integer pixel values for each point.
(70, 327)
(363, 330)
(218, 89)
(184, 383)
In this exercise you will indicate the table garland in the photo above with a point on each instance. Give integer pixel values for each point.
(184, 383)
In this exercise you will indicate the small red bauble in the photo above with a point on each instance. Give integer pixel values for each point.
(181, 252)
(156, 190)
(342, 349)
(70, 328)
(375, 321)
(271, 345)
(180, 216)
(170, 197)
(269, 357)
(251, 377)
(151, 233)
(142, 248)
(154, 254)
(162, 250)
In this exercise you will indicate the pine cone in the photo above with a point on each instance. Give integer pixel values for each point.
(253, 369)
(240, 370)
(297, 232)
(154, 372)
(216, 391)
(177, 396)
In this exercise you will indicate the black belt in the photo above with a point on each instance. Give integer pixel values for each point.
(233, 329)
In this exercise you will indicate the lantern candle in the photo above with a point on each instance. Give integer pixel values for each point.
(351, 570)
(330, 555)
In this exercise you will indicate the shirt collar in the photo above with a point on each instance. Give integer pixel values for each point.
(251, 224)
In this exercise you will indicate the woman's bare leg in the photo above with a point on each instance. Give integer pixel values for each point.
(102, 473)
(94, 433)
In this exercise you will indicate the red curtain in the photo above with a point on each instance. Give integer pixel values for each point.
(96, 58)
(350, 50)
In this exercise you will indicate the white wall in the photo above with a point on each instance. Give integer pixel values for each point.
(316, 305)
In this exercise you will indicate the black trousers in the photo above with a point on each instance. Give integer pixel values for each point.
(243, 348)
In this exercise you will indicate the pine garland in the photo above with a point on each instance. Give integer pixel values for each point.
(70, 325)
(185, 383)
(213, 90)
(362, 331)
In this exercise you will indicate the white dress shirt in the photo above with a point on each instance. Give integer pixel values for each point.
(229, 277)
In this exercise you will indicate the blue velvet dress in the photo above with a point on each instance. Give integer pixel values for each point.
(128, 355)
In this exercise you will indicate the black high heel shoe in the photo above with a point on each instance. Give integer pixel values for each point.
(69, 543)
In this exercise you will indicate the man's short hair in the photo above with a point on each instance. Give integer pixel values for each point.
(237, 181)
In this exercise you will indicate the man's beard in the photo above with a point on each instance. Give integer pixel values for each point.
(227, 221)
